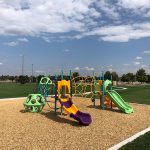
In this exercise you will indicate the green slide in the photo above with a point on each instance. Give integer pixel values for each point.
(119, 102)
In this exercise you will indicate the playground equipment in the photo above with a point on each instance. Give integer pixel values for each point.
(45, 85)
(34, 103)
(109, 97)
(67, 104)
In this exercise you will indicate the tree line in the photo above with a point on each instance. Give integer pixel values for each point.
(139, 76)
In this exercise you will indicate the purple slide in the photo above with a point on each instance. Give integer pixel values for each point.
(70, 108)
(83, 118)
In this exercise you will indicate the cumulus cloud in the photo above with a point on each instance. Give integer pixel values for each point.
(39, 71)
(11, 43)
(67, 50)
(89, 69)
(17, 42)
(134, 4)
(1, 63)
(143, 66)
(120, 33)
(76, 68)
(138, 58)
(146, 52)
(136, 63)
(23, 40)
(52, 20)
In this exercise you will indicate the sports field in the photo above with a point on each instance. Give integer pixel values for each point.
(134, 94)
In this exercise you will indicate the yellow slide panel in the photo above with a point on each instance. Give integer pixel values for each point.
(72, 110)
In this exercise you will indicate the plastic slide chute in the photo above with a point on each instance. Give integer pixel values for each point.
(113, 96)
(119, 102)
(68, 106)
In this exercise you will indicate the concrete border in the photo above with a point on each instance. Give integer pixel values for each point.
(130, 139)
(11, 99)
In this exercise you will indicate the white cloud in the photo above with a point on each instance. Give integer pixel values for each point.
(108, 9)
(138, 58)
(67, 50)
(76, 68)
(1, 63)
(45, 16)
(45, 19)
(110, 69)
(143, 66)
(39, 71)
(11, 43)
(17, 42)
(146, 52)
(134, 4)
(120, 33)
(46, 39)
(23, 40)
(136, 63)
(89, 69)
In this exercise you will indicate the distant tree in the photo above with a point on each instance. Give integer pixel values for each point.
(33, 79)
(115, 76)
(12, 78)
(3, 78)
(148, 79)
(66, 77)
(130, 77)
(23, 79)
(76, 76)
(107, 75)
(124, 78)
(39, 78)
(141, 75)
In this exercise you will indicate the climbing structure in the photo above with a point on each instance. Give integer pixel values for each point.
(45, 85)
(34, 103)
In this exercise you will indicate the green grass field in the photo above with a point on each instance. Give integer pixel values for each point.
(136, 94)
(143, 142)
(11, 90)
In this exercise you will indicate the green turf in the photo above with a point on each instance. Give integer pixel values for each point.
(10, 90)
(136, 94)
(141, 143)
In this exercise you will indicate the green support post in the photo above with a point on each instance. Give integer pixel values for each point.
(55, 93)
(70, 83)
(93, 89)
(111, 88)
(103, 92)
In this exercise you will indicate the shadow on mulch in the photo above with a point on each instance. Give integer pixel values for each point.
(23, 111)
(57, 118)
(106, 109)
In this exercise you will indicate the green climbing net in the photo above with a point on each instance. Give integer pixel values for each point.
(34, 103)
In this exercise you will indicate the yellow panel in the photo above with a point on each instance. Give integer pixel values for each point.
(62, 83)
(72, 110)
(64, 99)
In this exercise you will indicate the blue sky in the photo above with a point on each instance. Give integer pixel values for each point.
(81, 35)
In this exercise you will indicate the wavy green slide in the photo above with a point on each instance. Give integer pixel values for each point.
(119, 102)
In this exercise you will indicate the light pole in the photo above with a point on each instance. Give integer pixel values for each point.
(32, 72)
(22, 64)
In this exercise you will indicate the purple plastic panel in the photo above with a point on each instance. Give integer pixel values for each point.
(67, 104)
(83, 118)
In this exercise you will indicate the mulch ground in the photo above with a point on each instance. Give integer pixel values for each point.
(45, 130)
